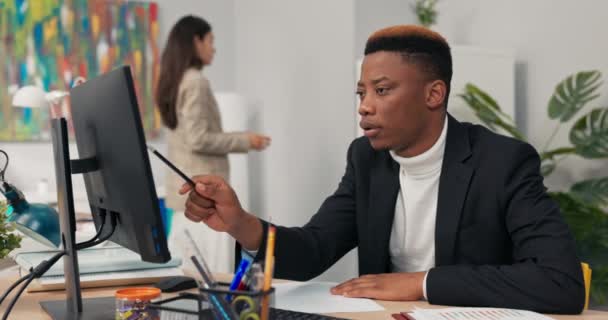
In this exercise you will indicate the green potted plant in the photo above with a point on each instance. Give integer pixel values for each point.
(426, 12)
(585, 204)
(8, 240)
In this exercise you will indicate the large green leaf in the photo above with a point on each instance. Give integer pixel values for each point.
(488, 111)
(573, 93)
(592, 191)
(589, 135)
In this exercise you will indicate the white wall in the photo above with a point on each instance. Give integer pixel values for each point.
(373, 15)
(296, 57)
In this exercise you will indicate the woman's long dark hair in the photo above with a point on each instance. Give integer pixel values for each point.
(179, 55)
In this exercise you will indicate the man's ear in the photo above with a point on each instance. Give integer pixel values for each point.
(436, 94)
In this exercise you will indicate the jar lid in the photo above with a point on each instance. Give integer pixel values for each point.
(141, 293)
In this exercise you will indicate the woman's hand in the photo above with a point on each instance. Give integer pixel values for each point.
(258, 142)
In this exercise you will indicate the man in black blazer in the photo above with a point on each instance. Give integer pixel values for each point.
(499, 239)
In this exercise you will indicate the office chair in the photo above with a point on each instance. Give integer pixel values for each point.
(587, 280)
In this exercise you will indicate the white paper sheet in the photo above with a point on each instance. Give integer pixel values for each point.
(476, 313)
(315, 297)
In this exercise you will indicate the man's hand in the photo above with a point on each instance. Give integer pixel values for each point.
(215, 203)
(386, 286)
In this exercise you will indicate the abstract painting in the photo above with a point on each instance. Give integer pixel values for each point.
(49, 43)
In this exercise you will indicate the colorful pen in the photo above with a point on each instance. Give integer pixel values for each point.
(238, 276)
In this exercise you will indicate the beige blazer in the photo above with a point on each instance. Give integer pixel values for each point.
(198, 145)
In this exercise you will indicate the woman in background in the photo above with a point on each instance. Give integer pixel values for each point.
(196, 141)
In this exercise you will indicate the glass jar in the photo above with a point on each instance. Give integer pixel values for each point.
(132, 303)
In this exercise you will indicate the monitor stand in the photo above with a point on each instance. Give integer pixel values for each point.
(94, 309)
(72, 308)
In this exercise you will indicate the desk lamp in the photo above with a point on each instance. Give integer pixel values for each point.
(36, 220)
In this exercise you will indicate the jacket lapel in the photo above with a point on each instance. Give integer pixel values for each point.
(453, 188)
(384, 187)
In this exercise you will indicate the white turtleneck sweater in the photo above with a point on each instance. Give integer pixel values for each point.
(412, 242)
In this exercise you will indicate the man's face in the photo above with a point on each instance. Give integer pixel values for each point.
(392, 104)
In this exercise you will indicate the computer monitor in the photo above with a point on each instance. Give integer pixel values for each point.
(118, 179)
(108, 127)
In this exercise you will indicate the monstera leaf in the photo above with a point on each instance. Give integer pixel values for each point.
(592, 191)
(488, 111)
(573, 93)
(589, 135)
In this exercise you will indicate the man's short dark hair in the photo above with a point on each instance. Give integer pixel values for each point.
(417, 45)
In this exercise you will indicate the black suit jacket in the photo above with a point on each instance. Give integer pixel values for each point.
(500, 240)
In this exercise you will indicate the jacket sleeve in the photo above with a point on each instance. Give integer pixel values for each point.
(302, 253)
(197, 118)
(546, 274)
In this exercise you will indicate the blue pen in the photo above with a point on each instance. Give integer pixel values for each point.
(240, 272)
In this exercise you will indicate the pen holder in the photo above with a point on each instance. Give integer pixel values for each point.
(235, 304)
(218, 303)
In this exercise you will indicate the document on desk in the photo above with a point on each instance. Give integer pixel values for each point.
(476, 313)
(106, 279)
(97, 260)
(99, 266)
(315, 297)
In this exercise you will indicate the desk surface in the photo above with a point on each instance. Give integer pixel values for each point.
(28, 306)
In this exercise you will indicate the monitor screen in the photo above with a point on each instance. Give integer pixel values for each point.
(107, 126)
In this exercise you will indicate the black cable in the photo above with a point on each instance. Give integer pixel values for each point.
(12, 304)
(13, 286)
(85, 245)
(45, 265)
(36, 272)
(5, 165)
(88, 242)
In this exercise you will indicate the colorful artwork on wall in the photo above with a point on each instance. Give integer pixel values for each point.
(49, 43)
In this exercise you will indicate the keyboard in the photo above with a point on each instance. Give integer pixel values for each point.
(280, 314)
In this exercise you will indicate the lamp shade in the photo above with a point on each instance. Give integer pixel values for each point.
(38, 221)
(30, 96)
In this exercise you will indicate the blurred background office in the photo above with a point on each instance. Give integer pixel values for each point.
(293, 63)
